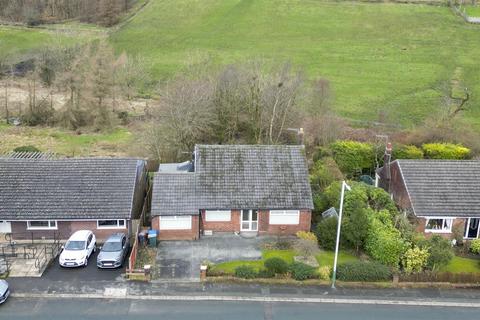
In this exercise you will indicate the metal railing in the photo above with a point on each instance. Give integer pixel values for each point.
(30, 250)
(43, 259)
(30, 236)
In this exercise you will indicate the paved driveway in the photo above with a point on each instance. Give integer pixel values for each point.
(90, 273)
(180, 260)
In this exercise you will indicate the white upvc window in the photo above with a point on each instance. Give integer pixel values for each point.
(111, 224)
(439, 225)
(218, 215)
(284, 216)
(175, 223)
(42, 225)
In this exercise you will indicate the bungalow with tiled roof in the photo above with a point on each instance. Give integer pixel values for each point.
(440, 194)
(253, 189)
(46, 198)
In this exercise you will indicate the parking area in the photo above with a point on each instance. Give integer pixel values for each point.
(90, 273)
(180, 260)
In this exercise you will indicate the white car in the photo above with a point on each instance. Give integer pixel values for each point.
(78, 249)
(4, 291)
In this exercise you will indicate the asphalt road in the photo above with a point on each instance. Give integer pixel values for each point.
(53, 309)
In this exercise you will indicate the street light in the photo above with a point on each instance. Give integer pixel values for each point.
(339, 225)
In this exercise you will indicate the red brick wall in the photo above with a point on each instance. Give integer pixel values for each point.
(65, 229)
(221, 226)
(420, 227)
(398, 189)
(191, 234)
(265, 227)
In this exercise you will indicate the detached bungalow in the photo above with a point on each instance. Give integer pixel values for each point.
(441, 194)
(252, 189)
(43, 198)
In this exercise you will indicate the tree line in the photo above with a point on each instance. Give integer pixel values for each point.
(33, 12)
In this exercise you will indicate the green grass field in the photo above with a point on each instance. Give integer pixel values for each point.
(392, 57)
(66, 142)
(18, 41)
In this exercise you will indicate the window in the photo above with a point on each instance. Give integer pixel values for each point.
(284, 217)
(110, 224)
(89, 240)
(218, 215)
(472, 228)
(439, 225)
(175, 223)
(42, 225)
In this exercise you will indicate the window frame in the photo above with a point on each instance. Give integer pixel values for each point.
(284, 214)
(443, 229)
(117, 226)
(51, 226)
(218, 212)
(174, 218)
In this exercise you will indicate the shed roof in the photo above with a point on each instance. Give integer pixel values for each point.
(443, 187)
(76, 188)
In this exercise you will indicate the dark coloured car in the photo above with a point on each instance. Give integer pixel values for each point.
(114, 251)
(4, 291)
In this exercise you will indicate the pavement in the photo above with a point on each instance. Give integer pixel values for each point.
(106, 289)
(53, 309)
(180, 260)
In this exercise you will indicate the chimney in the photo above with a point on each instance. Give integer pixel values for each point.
(301, 135)
(387, 158)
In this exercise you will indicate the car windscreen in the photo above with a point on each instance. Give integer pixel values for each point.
(111, 246)
(75, 245)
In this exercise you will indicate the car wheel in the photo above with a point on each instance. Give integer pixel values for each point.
(86, 262)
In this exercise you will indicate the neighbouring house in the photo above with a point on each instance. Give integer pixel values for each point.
(252, 189)
(47, 198)
(440, 194)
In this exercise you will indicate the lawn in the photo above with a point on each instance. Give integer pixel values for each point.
(459, 265)
(473, 11)
(65, 142)
(398, 58)
(325, 258)
(18, 42)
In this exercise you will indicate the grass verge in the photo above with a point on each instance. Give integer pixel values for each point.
(462, 265)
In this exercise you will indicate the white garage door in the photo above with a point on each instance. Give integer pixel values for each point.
(5, 227)
(175, 223)
(218, 215)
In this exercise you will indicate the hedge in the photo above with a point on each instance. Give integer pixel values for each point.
(246, 272)
(363, 271)
(301, 271)
(445, 151)
(353, 157)
(407, 152)
(276, 265)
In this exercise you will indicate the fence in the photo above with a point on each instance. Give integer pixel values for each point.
(441, 277)
(133, 254)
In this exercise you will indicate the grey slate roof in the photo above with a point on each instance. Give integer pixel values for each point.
(174, 194)
(443, 187)
(90, 188)
(236, 177)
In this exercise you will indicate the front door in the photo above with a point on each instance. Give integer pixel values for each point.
(471, 228)
(5, 227)
(249, 220)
